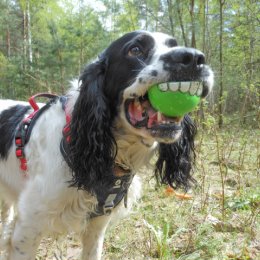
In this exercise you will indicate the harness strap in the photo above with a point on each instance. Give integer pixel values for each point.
(111, 197)
(24, 130)
(107, 199)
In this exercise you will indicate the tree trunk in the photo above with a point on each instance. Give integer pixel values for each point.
(201, 113)
(8, 42)
(181, 23)
(81, 47)
(169, 2)
(29, 34)
(220, 101)
(249, 69)
(146, 16)
(193, 31)
(62, 70)
(204, 21)
(24, 40)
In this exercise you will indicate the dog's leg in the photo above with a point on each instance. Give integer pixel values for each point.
(8, 222)
(31, 222)
(93, 238)
(25, 241)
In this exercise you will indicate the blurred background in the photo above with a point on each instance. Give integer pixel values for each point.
(46, 43)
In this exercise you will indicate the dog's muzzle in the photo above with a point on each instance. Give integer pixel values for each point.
(185, 67)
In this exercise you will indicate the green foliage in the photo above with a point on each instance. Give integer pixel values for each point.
(3, 65)
(206, 242)
(64, 35)
(62, 41)
(246, 201)
(162, 239)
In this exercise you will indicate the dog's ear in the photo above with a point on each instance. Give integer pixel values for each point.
(175, 161)
(92, 147)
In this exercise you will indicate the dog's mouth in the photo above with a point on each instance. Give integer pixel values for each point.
(141, 115)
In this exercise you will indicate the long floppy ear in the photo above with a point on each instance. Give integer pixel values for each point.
(175, 160)
(92, 147)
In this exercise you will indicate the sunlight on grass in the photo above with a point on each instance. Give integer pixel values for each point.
(219, 221)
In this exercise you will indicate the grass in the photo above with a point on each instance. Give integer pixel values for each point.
(219, 222)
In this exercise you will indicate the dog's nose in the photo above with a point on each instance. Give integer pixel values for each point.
(188, 57)
(185, 57)
(184, 64)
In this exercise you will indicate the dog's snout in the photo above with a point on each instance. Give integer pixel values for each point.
(184, 63)
(192, 57)
(185, 57)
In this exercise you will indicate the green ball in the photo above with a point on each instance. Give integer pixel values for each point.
(175, 102)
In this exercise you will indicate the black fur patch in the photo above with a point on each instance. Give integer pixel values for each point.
(154, 73)
(9, 120)
(175, 161)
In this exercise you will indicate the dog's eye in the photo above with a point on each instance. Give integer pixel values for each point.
(135, 52)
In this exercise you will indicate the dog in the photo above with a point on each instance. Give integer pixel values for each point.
(84, 150)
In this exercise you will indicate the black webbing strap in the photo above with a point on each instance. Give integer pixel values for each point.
(111, 197)
(114, 195)
(24, 130)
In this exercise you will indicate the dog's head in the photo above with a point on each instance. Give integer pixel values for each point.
(114, 87)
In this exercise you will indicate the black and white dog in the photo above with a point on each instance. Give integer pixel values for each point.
(79, 180)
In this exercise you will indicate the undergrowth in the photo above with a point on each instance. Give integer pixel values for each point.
(219, 221)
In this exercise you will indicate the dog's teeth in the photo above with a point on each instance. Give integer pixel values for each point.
(137, 103)
(199, 91)
(194, 87)
(159, 116)
(185, 86)
(163, 87)
(174, 86)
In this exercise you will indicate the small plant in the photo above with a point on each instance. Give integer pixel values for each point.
(162, 239)
(206, 242)
(244, 202)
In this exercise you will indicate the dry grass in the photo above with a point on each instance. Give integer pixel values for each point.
(220, 221)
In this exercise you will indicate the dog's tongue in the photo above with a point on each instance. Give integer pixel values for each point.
(135, 112)
(139, 113)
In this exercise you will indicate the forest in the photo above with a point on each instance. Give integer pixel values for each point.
(44, 44)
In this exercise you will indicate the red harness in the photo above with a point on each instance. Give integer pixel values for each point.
(23, 132)
(66, 128)
(112, 196)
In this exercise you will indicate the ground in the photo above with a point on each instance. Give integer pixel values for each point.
(219, 221)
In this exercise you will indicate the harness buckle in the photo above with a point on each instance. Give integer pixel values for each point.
(109, 204)
(108, 209)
